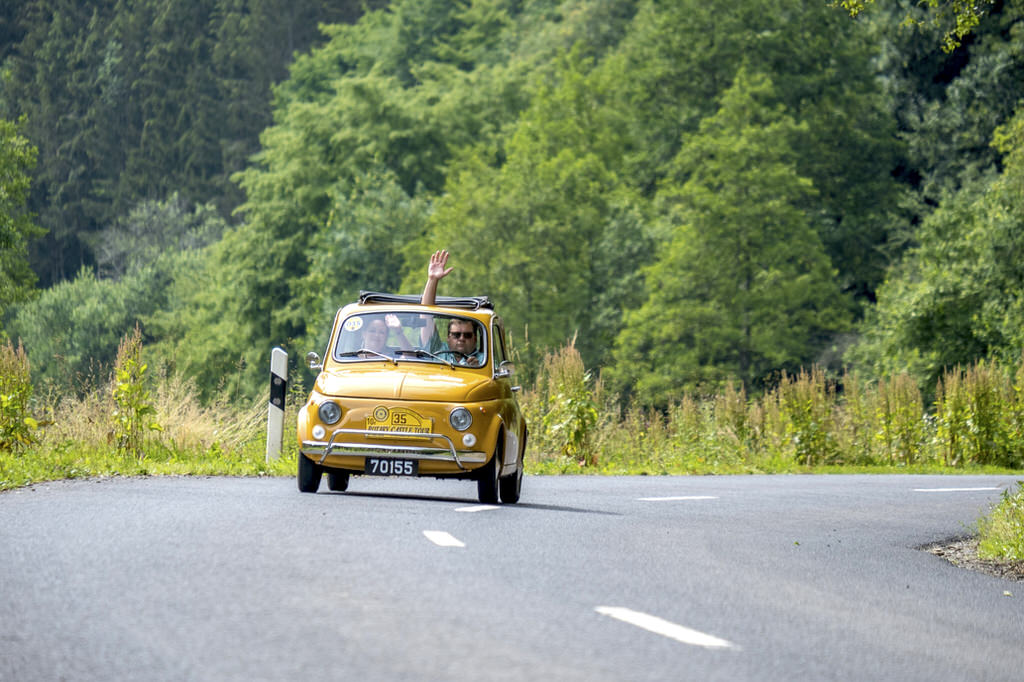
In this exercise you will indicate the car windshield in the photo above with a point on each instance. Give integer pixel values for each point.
(411, 336)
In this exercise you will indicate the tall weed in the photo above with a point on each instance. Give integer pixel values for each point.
(952, 418)
(902, 423)
(18, 428)
(133, 408)
(562, 408)
(807, 420)
(806, 403)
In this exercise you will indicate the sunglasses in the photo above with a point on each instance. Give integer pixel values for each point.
(462, 335)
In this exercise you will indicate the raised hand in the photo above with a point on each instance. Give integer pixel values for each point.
(436, 269)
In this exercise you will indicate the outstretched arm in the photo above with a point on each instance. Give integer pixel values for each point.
(435, 271)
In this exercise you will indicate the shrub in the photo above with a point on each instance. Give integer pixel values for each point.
(18, 428)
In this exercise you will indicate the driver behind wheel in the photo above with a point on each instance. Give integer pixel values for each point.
(462, 344)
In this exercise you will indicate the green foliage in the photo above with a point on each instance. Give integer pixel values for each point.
(1001, 533)
(152, 233)
(805, 422)
(224, 438)
(678, 59)
(17, 425)
(562, 410)
(72, 330)
(956, 17)
(569, 235)
(980, 415)
(901, 420)
(361, 248)
(133, 407)
(744, 286)
(956, 298)
(17, 158)
(130, 101)
(605, 168)
(805, 413)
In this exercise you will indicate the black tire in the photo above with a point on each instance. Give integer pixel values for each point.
(487, 481)
(337, 481)
(309, 474)
(510, 486)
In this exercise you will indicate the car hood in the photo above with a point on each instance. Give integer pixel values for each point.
(408, 381)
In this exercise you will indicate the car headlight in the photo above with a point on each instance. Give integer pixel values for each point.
(329, 412)
(460, 419)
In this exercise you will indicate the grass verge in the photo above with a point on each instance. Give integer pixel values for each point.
(1001, 533)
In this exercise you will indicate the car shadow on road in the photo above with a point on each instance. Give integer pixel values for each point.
(469, 501)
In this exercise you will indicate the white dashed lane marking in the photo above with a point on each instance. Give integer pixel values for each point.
(443, 539)
(665, 628)
(952, 490)
(477, 508)
(676, 498)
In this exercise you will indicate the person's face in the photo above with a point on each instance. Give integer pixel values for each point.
(376, 335)
(462, 337)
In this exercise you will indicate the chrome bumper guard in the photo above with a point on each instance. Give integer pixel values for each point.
(443, 454)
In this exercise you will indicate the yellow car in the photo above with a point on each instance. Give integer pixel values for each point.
(411, 390)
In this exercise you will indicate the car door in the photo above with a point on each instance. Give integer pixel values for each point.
(510, 413)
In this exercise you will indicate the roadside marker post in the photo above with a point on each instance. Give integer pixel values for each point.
(275, 408)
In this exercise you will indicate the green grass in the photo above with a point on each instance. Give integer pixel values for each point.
(1001, 533)
(73, 461)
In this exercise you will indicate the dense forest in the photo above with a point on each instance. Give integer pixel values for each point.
(697, 193)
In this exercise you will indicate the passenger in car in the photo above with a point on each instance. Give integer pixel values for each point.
(376, 332)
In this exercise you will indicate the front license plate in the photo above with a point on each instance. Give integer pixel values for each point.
(389, 466)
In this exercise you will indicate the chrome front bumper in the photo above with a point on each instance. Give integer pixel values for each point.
(426, 452)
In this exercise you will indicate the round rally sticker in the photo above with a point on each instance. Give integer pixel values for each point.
(380, 413)
(353, 324)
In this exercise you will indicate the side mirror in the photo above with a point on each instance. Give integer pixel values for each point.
(313, 361)
(504, 370)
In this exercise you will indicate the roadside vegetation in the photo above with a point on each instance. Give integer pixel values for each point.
(1001, 533)
(133, 424)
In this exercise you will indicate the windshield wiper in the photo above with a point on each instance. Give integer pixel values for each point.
(354, 353)
(420, 353)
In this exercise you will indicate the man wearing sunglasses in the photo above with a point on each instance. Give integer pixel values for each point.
(462, 334)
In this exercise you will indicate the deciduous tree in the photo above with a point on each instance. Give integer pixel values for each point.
(17, 157)
(744, 287)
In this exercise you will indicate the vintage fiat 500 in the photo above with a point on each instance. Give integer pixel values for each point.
(411, 390)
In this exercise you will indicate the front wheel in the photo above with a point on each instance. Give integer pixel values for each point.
(487, 483)
(510, 486)
(337, 481)
(309, 475)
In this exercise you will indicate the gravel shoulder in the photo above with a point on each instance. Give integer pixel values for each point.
(963, 553)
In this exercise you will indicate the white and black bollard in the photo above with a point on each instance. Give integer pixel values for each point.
(275, 409)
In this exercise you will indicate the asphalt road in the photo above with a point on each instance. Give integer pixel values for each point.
(588, 578)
